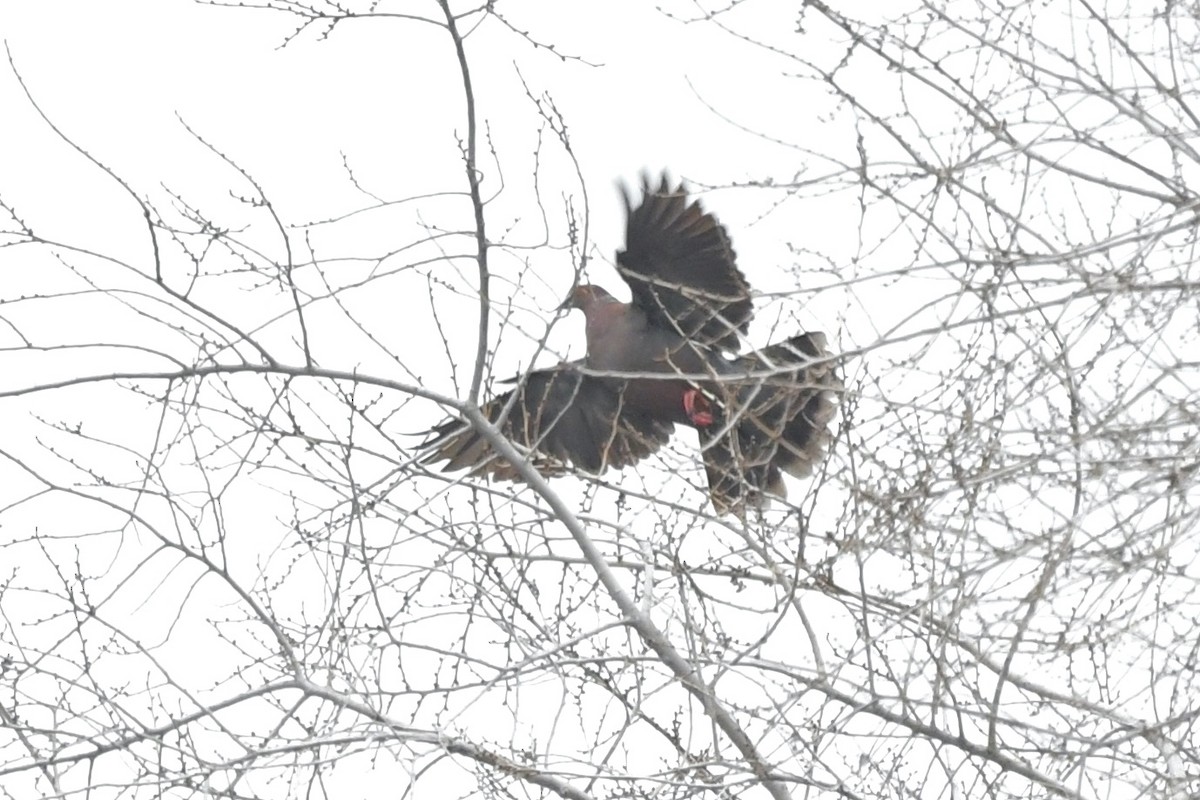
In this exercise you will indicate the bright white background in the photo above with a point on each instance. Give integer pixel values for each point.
(997, 591)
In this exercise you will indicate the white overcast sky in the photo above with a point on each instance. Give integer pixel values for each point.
(638, 91)
(387, 94)
(646, 93)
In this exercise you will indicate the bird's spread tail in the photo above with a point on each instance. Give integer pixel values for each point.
(774, 418)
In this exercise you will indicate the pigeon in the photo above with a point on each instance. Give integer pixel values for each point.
(667, 358)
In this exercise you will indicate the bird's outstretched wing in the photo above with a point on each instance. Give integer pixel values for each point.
(558, 417)
(681, 268)
(775, 420)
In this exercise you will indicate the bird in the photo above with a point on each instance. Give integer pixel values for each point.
(667, 358)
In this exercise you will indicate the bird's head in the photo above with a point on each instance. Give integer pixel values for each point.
(586, 296)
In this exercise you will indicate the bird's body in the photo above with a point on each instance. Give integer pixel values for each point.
(622, 341)
(665, 359)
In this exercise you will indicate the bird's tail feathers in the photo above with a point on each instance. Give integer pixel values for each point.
(776, 420)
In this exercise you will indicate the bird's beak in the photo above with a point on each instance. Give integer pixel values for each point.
(571, 302)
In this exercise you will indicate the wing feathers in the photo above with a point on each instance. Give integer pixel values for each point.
(681, 268)
(559, 417)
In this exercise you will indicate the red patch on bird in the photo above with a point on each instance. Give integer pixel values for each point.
(698, 408)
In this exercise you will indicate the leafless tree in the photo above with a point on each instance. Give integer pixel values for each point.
(226, 571)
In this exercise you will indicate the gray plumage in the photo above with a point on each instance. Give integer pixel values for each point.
(758, 415)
